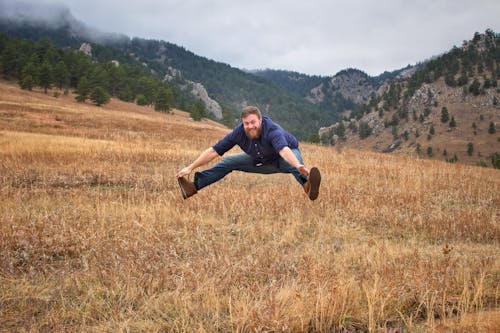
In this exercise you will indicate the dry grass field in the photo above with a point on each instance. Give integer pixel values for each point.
(95, 237)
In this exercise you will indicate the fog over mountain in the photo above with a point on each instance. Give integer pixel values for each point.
(53, 15)
(320, 37)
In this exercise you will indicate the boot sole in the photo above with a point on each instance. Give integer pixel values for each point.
(314, 181)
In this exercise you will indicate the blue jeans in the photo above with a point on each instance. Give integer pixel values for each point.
(244, 162)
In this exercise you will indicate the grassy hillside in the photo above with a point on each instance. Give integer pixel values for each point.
(94, 235)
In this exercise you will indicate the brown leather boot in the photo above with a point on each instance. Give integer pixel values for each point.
(187, 188)
(306, 187)
(311, 187)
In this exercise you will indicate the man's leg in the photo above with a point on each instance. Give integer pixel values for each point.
(287, 168)
(236, 162)
(310, 184)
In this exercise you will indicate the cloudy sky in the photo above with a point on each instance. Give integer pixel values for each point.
(318, 37)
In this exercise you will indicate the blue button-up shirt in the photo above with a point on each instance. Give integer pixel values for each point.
(265, 149)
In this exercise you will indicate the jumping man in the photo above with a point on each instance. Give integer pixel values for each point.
(267, 147)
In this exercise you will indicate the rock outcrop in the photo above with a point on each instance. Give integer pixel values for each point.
(351, 84)
(199, 91)
(86, 49)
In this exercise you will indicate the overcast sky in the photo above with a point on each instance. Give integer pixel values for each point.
(318, 37)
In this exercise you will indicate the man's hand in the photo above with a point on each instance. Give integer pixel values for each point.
(203, 159)
(183, 172)
(303, 170)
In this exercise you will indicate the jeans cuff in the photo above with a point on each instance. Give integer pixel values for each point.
(195, 181)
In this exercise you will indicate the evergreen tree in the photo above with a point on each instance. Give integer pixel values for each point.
(82, 89)
(470, 148)
(462, 80)
(445, 116)
(29, 76)
(126, 94)
(228, 116)
(198, 111)
(495, 160)
(147, 87)
(432, 131)
(364, 130)
(11, 60)
(418, 148)
(491, 128)
(450, 80)
(99, 96)
(61, 75)
(395, 132)
(341, 130)
(27, 82)
(141, 100)
(453, 123)
(163, 99)
(46, 76)
(474, 88)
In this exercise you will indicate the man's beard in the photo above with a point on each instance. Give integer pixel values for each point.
(255, 133)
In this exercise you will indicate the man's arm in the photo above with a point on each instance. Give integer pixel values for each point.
(203, 159)
(290, 157)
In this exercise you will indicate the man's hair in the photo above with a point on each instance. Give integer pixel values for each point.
(248, 110)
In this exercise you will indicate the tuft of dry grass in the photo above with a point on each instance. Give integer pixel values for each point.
(94, 235)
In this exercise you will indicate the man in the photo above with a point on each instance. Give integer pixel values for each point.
(267, 147)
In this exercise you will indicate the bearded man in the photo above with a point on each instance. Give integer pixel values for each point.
(267, 148)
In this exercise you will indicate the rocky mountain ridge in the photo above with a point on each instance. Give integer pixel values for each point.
(353, 85)
(452, 113)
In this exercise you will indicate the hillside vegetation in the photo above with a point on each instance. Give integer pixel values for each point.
(448, 109)
(94, 235)
(230, 87)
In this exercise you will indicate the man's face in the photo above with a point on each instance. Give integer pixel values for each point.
(252, 125)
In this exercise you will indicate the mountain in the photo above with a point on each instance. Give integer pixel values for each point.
(218, 85)
(446, 108)
(298, 83)
(344, 92)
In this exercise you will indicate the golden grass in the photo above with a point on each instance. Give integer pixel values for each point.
(94, 235)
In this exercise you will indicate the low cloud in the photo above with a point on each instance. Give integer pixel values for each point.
(314, 37)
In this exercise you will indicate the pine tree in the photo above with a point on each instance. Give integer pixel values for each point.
(163, 99)
(491, 128)
(228, 116)
(364, 130)
(341, 130)
(27, 82)
(82, 89)
(474, 88)
(99, 96)
(141, 100)
(495, 160)
(198, 111)
(46, 76)
(61, 75)
(470, 148)
(29, 76)
(453, 123)
(445, 116)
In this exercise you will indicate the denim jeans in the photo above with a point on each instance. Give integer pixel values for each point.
(244, 162)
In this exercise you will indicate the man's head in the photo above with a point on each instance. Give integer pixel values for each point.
(252, 121)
